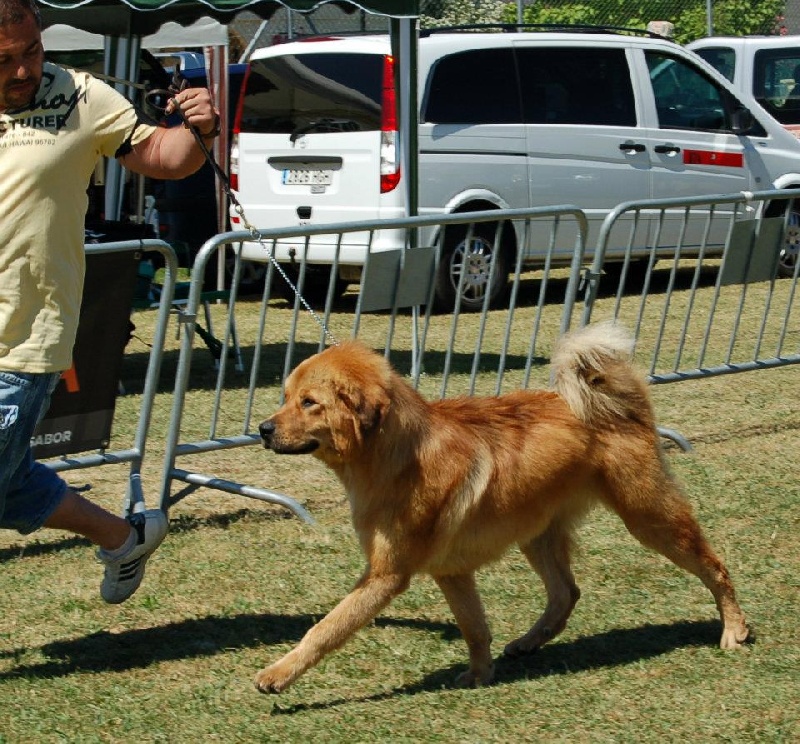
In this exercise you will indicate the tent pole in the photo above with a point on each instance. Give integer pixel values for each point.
(122, 62)
(404, 50)
(248, 50)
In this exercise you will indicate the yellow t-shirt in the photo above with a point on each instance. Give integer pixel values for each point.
(47, 154)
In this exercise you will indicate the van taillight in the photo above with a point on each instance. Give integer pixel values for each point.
(237, 120)
(233, 162)
(390, 165)
(237, 128)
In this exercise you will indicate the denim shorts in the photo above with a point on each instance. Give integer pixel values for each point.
(29, 491)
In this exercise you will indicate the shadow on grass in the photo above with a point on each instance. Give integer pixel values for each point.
(43, 548)
(194, 638)
(203, 374)
(182, 523)
(610, 649)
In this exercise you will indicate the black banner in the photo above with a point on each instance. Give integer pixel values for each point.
(82, 407)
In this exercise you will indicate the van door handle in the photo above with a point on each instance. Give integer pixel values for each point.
(667, 149)
(631, 147)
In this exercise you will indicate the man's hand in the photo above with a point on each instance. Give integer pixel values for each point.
(196, 109)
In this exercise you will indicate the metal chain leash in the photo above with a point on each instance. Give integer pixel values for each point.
(178, 84)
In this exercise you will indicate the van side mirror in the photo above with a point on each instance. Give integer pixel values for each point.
(742, 119)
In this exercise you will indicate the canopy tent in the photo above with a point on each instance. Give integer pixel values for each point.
(140, 17)
(126, 21)
(203, 32)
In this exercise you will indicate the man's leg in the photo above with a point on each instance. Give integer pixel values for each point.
(33, 496)
(81, 516)
(125, 544)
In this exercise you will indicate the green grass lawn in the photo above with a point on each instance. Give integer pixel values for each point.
(237, 583)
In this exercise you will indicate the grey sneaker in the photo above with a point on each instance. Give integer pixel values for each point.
(124, 574)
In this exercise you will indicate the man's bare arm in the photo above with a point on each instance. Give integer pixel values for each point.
(174, 152)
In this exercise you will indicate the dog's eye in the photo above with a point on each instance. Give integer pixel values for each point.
(307, 402)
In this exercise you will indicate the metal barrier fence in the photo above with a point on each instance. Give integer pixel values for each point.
(444, 352)
(670, 294)
(714, 294)
(134, 498)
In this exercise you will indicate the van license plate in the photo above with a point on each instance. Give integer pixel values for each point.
(292, 177)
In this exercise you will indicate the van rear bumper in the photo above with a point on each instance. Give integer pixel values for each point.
(347, 248)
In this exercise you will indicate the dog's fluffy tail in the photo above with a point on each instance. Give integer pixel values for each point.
(591, 370)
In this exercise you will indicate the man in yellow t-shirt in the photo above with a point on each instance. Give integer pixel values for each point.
(55, 124)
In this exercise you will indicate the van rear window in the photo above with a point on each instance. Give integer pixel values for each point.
(304, 93)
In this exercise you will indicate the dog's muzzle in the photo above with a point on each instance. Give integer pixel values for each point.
(272, 440)
(266, 429)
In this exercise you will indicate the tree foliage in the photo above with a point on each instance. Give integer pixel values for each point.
(440, 13)
(729, 17)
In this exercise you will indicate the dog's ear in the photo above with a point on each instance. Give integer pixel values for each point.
(368, 404)
(366, 409)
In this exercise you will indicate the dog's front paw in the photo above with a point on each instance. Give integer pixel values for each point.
(271, 680)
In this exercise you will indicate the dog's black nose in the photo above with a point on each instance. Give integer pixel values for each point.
(266, 429)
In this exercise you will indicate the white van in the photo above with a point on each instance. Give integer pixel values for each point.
(507, 120)
(766, 67)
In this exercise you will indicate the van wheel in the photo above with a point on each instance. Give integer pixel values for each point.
(475, 260)
(788, 255)
(315, 286)
(787, 259)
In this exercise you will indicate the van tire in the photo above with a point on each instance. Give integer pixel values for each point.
(480, 257)
(787, 259)
(315, 286)
(788, 256)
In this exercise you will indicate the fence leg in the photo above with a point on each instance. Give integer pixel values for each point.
(676, 437)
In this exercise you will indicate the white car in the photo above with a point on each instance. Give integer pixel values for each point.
(506, 120)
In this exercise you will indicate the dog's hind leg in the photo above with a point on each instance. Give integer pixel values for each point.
(462, 595)
(660, 517)
(549, 555)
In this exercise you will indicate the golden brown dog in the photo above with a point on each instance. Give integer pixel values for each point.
(444, 487)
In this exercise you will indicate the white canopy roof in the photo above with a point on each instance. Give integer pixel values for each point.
(203, 32)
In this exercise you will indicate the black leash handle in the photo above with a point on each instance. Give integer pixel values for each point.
(180, 83)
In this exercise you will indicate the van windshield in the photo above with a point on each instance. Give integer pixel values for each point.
(776, 82)
(304, 93)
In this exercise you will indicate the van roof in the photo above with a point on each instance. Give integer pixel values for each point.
(455, 38)
(366, 43)
(746, 41)
(518, 28)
